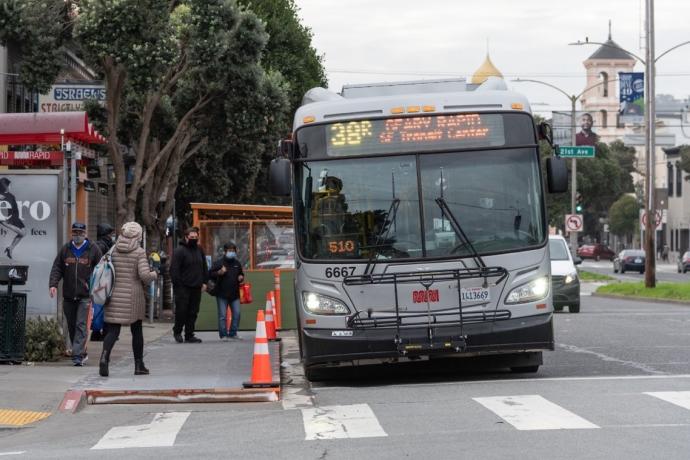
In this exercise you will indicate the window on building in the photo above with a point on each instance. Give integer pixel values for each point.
(619, 123)
(604, 118)
(605, 84)
(670, 178)
(679, 179)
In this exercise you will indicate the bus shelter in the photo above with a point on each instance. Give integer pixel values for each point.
(265, 242)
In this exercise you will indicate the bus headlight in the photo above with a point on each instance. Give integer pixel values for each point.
(323, 305)
(536, 289)
(570, 277)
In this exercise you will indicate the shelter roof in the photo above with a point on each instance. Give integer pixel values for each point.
(44, 128)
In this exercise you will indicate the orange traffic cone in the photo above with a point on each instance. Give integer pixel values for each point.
(262, 376)
(270, 322)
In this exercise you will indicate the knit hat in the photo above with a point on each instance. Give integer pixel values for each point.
(103, 229)
(131, 230)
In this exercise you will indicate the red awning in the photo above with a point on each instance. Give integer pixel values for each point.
(44, 128)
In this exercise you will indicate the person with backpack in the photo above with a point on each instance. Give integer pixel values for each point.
(106, 239)
(227, 273)
(127, 302)
(73, 265)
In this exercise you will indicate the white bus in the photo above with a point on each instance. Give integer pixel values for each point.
(420, 224)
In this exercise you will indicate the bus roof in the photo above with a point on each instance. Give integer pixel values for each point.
(430, 96)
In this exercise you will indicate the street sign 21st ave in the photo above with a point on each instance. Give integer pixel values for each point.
(582, 151)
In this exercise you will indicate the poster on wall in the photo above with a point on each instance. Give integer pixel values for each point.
(585, 130)
(30, 220)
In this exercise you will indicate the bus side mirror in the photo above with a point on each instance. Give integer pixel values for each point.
(545, 132)
(557, 175)
(279, 177)
(286, 148)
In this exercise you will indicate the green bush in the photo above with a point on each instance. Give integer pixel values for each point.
(44, 340)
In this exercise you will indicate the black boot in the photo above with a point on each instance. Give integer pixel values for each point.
(103, 363)
(139, 368)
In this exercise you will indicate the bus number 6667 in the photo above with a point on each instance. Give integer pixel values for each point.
(339, 272)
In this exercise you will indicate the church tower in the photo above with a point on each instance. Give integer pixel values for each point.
(486, 70)
(601, 100)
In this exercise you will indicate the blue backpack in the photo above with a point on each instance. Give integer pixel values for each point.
(101, 288)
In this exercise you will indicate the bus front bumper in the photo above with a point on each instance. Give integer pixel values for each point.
(328, 346)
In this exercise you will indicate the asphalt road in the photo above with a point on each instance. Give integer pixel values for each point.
(664, 272)
(617, 386)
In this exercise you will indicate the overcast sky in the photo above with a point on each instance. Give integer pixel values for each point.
(388, 40)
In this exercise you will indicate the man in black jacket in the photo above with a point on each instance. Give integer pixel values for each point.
(73, 265)
(189, 274)
(106, 237)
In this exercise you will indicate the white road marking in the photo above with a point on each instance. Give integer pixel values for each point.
(679, 398)
(292, 399)
(161, 432)
(606, 358)
(19, 452)
(335, 422)
(532, 412)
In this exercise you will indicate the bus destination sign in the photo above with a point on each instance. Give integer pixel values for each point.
(361, 137)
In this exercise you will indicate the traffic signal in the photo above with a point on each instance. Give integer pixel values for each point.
(578, 203)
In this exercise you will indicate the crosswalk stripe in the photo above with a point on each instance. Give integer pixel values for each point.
(161, 432)
(533, 412)
(679, 398)
(336, 422)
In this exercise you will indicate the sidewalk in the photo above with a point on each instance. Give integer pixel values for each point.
(211, 371)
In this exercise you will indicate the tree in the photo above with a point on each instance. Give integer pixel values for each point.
(174, 71)
(624, 216)
(236, 169)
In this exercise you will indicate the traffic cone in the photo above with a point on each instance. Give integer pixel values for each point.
(262, 376)
(270, 321)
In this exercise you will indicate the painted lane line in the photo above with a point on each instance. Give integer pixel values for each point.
(635, 365)
(337, 422)
(532, 412)
(679, 398)
(161, 432)
(19, 452)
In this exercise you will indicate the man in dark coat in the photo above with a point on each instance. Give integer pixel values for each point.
(73, 265)
(106, 240)
(189, 273)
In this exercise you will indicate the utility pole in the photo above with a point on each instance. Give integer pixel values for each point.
(573, 192)
(650, 228)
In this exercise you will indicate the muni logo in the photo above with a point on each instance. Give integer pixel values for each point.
(424, 296)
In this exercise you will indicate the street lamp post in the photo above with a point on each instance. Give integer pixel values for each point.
(573, 100)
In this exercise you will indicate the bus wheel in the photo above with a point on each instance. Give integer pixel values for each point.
(574, 308)
(524, 369)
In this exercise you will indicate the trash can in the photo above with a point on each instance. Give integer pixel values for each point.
(12, 314)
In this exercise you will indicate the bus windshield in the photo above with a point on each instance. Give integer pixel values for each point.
(386, 208)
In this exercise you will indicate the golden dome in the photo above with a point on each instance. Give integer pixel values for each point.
(486, 70)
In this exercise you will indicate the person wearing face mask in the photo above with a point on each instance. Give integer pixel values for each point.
(227, 273)
(189, 274)
(128, 301)
(73, 265)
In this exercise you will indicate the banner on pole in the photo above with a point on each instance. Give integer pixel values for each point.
(631, 98)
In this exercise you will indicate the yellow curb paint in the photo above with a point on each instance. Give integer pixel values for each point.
(20, 417)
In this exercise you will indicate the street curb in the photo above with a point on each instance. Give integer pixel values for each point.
(73, 402)
(641, 299)
(212, 395)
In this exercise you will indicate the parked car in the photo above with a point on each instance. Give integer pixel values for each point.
(629, 259)
(684, 262)
(565, 284)
(595, 251)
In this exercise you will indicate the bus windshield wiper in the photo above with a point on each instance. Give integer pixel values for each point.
(382, 234)
(445, 210)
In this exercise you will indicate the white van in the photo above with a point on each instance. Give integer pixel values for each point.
(565, 283)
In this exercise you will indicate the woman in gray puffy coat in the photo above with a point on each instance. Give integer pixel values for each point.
(127, 303)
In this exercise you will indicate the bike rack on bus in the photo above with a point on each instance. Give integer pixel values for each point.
(447, 317)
